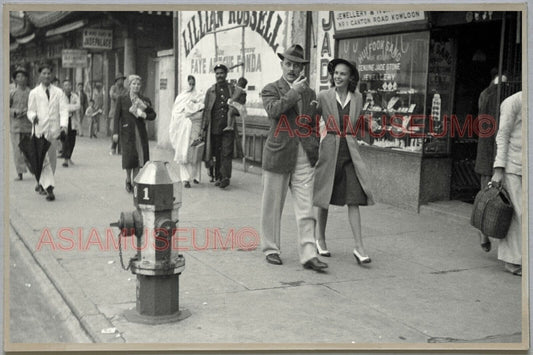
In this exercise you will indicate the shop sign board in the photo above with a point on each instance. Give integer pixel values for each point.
(326, 47)
(74, 58)
(349, 20)
(95, 38)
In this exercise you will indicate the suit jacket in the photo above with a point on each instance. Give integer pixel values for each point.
(329, 149)
(52, 113)
(209, 102)
(125, 124)
(284, 107)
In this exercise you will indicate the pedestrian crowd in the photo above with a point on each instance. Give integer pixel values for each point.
(314, 160)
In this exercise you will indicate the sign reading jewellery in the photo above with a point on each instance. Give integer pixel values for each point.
(348, 20)
(265, 23)
(97, 39)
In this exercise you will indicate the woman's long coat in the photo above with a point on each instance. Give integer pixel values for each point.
(329, 148)
(125, 124)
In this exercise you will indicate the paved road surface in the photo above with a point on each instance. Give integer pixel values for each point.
(37, 311)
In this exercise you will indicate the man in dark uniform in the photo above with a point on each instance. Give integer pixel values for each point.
(219, 142)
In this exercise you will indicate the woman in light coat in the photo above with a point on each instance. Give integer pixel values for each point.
(340, 174)
(184, 130)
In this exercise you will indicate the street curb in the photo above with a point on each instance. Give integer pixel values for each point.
(86, 312)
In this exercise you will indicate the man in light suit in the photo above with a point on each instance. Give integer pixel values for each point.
(48, 110)
(74, 105)
(289, 157)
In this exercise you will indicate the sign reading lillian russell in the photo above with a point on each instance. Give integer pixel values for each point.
(347, 20)
(97, 38)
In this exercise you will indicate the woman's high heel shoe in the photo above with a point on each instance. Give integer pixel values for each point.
(322, 252)
(361, 259)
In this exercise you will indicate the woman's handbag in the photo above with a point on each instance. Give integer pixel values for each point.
(492, 212)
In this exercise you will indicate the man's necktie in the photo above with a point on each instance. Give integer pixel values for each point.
(48, 94)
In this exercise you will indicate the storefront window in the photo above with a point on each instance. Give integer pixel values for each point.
(393, 72)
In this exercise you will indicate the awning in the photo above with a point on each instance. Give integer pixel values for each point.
(26, 39)
(66, 28)
(18, 25)
(46, 18)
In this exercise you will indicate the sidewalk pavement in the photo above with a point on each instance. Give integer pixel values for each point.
(429, 280)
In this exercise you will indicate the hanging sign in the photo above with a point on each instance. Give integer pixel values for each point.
(74, 58)
(97, 39)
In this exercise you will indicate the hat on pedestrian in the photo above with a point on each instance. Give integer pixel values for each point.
(119, 76)
(220, 66)
(19, 69)
(294, 53)
(351, 64)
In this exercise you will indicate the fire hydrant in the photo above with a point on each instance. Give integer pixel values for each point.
(157, 264)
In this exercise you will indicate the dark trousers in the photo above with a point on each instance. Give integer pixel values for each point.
(69, 142)
(223, 152)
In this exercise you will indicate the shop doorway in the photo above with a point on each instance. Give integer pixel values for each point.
(477, 54)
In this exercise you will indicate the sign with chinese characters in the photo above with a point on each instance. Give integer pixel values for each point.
(97, 39)
(163, 83)
(74, 58)
(349, 20)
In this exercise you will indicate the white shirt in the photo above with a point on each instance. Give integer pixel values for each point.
(346, 100)
(52, 113)
(509, 137)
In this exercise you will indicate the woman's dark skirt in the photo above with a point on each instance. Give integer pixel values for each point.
(346, 187)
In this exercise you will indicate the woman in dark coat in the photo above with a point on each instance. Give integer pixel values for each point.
(131, 112)
(340, 174)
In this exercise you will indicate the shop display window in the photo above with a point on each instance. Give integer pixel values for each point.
(393, 71)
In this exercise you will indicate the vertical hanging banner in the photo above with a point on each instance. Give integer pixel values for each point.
(326, 47)
(207, 37)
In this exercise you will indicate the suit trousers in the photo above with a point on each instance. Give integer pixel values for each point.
(510, 248)
(275, 188)
(49, 166)
(223, 152)
(70, 141)
(20, 163)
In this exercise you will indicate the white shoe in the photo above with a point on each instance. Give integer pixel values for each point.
(361, 259)
(322, 252)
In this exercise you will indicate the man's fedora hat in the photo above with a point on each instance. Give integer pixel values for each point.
(220, 66)
(19, 69)
(119, 76)
(351, 64)
(294, 53)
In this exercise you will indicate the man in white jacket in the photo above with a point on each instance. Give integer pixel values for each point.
(48, 110)
(508, 171)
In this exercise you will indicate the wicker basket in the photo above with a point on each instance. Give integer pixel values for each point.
(492, 212)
